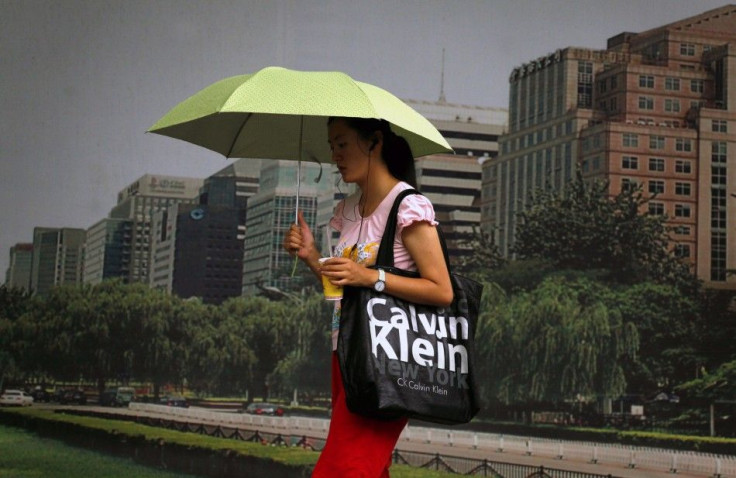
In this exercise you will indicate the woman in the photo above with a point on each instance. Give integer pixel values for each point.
(380, 163)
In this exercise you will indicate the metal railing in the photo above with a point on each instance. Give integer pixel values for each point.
(310, 433)
(474, 467)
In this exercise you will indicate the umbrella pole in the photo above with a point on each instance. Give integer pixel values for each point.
(299, 169)
(298, 183)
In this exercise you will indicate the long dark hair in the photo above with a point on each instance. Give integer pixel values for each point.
(396, 151)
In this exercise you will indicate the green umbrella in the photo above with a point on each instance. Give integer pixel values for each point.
(282, 114)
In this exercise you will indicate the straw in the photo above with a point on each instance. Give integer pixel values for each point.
(328, 231)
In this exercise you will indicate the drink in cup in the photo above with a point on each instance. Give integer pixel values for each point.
(332, 291)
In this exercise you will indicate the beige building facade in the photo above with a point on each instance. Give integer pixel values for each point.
(453, 181)
(656, 109)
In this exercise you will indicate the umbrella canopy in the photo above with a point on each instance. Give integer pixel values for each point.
(282, 114)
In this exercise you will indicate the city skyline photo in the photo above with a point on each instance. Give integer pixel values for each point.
(83, 80)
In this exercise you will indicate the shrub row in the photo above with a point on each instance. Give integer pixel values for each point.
(179, 451)
(718, 445)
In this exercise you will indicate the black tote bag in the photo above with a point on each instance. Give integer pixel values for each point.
(400, 359)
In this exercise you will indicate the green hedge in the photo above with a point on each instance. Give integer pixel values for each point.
(725, 446)
(181, 451)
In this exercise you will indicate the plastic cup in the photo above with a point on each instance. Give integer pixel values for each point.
(332, 291)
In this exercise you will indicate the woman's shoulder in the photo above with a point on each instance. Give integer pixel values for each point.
(415, 207)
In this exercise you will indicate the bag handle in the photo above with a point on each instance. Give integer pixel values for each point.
(385, 255)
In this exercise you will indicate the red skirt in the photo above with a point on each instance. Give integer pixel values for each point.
(357, 446)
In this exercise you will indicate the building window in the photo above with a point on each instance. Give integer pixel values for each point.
(585, 84)
(682, 251)
(682, 210)
(682, 189)
(719, 126)
(646, 81)
(682, 144)
(614, 82)
(683, 167)
(628, 184)
(718, 208)
(718, 256)
(718, 175)
(656, 164)
(656, 209)
(656, 142)
(646, 103)
(630, 162)
(697, 86)
(682, 230)
(687, 49)
(656, 187)
(718, 152)
(697, 104)
(672, 106)
(631, 140)
(672, 84)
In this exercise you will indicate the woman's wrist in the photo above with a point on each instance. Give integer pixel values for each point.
(312, 259)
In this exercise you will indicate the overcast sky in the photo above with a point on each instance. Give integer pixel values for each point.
(82, 80)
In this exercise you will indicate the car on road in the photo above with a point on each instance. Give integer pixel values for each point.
(16, 398)
(117, 397)
(70, 396)
(41, 395)
(264, 408)
(174, 401)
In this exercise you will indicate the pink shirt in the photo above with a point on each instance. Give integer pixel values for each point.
(364, 237)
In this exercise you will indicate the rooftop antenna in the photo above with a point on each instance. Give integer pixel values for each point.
(442, 79)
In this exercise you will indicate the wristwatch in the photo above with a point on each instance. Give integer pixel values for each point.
(381, 282)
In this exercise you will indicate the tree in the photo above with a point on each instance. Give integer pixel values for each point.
(13, 304)
(715, 386)
(306, 367)
(262, 325)
(557, 342)
(666, 321)
(152, 316)
(483, 255)
(717, 327)
(585, 228)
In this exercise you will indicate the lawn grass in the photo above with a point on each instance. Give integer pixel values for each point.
(27, 461)
(26, 455)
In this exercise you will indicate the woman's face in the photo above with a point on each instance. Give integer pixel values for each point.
(349, 151)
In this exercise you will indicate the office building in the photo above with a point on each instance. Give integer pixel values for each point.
(198, 248)
(18, 275)
(107, 250)
(271, 212)
(656, 109)
(453, 181)
(197, 252)
(57, 258)
(137, 203)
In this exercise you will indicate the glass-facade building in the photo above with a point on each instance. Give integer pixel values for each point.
(270, 214)
(18, 275)
(58, 255)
